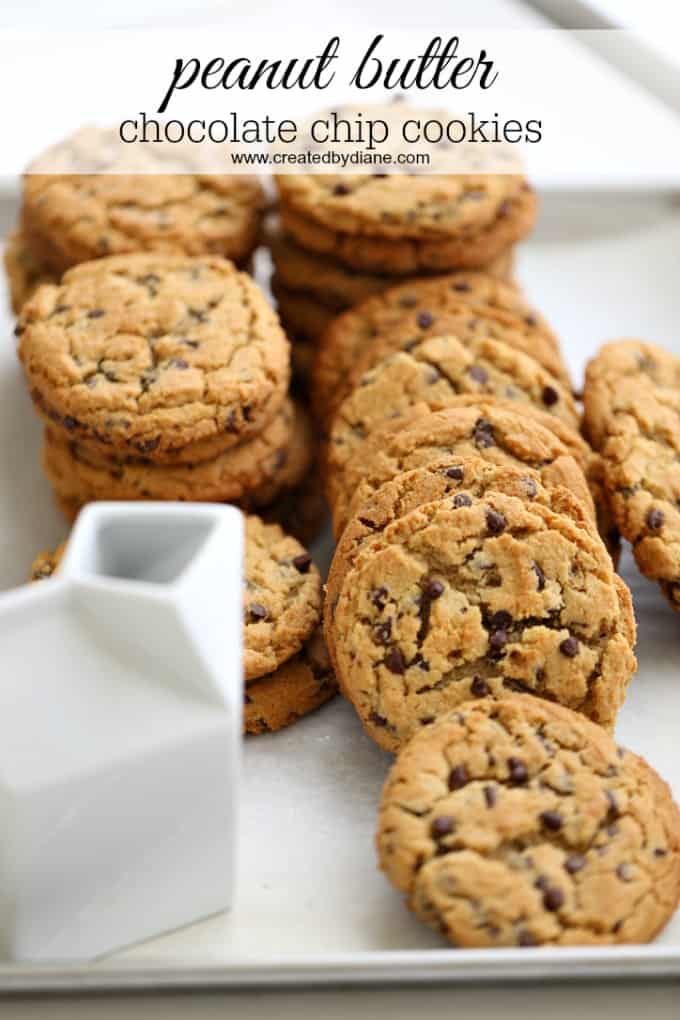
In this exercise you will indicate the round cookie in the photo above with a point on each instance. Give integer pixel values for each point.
(433, 373)
(474, 597)
(295, 689)
(405, 255)
(469, 306)
(336, 286)
(282, 600)
(72, 218)
(456, 478)
(632, 415)
(496, 430)
(24, 273)
(150, 353)
(252, 474)
(520, 823)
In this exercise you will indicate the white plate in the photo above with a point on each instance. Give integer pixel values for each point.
(311, 906)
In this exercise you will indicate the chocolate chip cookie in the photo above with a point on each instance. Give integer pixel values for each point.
(520, 823)
(149, 354)
(472, 597)
(298, 687)
(632, 415)
(469, 306)
(24, 273)
(428, 377)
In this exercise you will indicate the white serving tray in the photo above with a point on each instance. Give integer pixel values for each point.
(311, 907)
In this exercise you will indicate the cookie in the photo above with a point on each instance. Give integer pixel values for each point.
(150, 353)
(72, 218)
(282, 600)
(632, 415)
(496, 430)
(45, 564)
(520, 823)
(335, 286)
(24, 273)
(472, 597)
(468, 306)
(251, 475)
(456, 478)
(296, 688)
(429, 376)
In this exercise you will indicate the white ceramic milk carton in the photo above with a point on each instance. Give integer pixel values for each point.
(120, 732)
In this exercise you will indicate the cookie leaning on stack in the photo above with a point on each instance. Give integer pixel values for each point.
(286, 667)
(165, 377)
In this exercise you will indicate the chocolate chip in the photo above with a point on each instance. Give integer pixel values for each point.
(540, 576)
(433, 589)
(70, 423)
(655, 519)
(442, 826)
(257, 612)
(613, 811)
(550, 396)
(378, 597)
(570, 647)
(462, 499)
(518, 771)
(495, 522)
(483, 434)
(625, 872)
(525, 939)
(383, 632)
(479, 374)
(462, 287)
(574, 863)
(490, 796)
(377, 720)
(395, 661)
(530, 487)
(660, 852)
(425, 319)
(96, 313)
(147, 445)
(19, 328)
(479, 687)
(179, 363)
(497, 640)
(302, 563)
(341, 189)
(456, 473)
(501, 620)
(553, 898)
(230, 423)
(458, 777)
(552, 820)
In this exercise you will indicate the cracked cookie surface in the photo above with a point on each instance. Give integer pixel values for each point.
(519, 823)
(470, 597)
(150, 354)
(299, 686)
(468, 305)
(72, 218)
(432, 374)
(495, 430)
(632, 415)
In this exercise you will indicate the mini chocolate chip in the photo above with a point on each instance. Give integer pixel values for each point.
(617, 927)
(378, 597)
(425, 319)
(498, 639)
(341, 189)
(230, 423)
(70, 423)
(247, 411)
(456, 473)
(660, 852)
(19, 328)
(570, 647)
(495, 522)
(540, 576)
(550, 396)
(147, 445)
(462, 287)
(377, 720)
(257, 612)
(479, 687)
(179, 363)
(462, 499)
(483, 434)
(458, 777)
(191, 343)
(553, 898)
(530, 487)
(383, 632)
(395, 661)
(613, 811)
(490, 796)
(479, 374)
(442, 826)
(525, 939)
(519, 774)
(574, 863)
(552, 820)
(624, 872)
(96, 313)
(501, 620)
(655, 519)
(433, 589)
(302, 563)
(427, 720)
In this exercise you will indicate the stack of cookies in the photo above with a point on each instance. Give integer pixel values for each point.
(162, 377)
(67, 219)
(286, 666)
(469, 562)
(343, 239)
